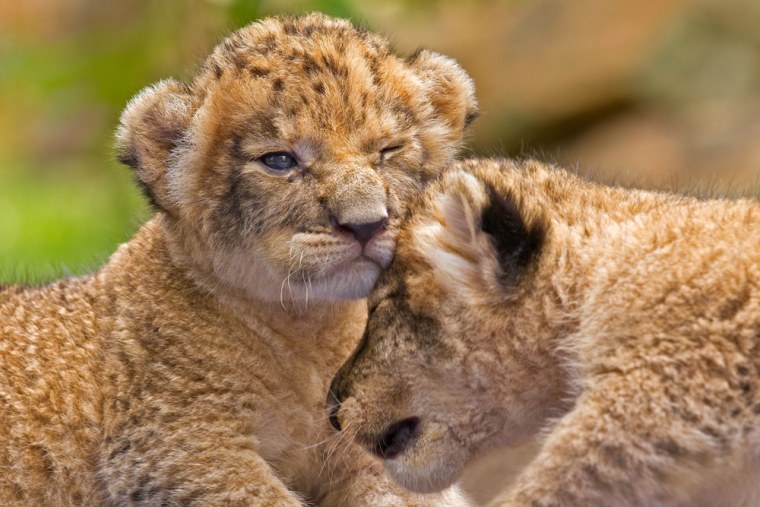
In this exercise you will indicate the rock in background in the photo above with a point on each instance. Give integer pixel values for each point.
(659, 93)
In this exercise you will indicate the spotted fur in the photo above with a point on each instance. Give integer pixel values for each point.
(191, 369)
(620, 326)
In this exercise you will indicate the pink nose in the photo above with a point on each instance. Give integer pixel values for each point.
(364, 232)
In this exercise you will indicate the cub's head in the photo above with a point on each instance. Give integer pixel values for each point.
(454, 359)
(284, 167)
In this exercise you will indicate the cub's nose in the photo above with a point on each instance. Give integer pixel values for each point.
(363, 232)
(396, 438)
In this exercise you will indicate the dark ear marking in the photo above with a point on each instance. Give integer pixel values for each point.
(415, 54)
(165, 134)
(148, 194)
(470, 117)
(516, 242)
(128, 157)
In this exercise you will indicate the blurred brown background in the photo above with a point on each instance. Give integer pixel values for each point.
(656, 93)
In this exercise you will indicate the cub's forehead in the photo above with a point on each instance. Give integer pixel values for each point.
(320, 68)
(295, 40)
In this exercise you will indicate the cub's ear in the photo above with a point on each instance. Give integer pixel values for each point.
(482, 223)
(460, 206)
(516, 240)
(151, 126)
(451, 91)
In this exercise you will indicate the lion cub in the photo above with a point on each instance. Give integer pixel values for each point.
(191, 369)
(622, 324)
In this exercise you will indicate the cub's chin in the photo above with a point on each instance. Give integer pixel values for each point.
(352, 280)
(334, 267)
(349, 272)
(309, 268)
(349, 280)
(427, 469)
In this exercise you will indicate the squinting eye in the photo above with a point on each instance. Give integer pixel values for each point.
(279, 161)
(390, 149)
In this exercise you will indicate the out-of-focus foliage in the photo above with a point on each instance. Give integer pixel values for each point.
(649, 93)
(67, 68)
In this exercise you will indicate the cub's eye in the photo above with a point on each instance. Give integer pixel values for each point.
(279, 160)
(390, 149)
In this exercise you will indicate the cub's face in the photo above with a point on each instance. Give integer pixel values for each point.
(287, 164)
(447, 366)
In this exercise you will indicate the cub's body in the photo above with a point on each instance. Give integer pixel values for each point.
(623, 325)
(137, 360)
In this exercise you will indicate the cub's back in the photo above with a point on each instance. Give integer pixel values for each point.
(691, 260)
(677, 291)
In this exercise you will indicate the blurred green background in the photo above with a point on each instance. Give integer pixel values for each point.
(655, 94)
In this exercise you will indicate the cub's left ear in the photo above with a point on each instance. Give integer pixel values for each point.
(516, 239)
(481, 225)
(451, 91)
(151, 127)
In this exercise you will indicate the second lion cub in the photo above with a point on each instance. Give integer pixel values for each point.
(623, 324)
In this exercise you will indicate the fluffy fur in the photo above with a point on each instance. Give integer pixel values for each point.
(624, 325)
(191, 369)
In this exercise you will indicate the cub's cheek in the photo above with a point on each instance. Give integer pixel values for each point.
(316, 254)
(381, 248)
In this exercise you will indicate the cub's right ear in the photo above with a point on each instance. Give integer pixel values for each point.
(450, 91)
(151, 127)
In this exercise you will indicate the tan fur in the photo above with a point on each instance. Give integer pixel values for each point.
(630, 340)
(191, 369)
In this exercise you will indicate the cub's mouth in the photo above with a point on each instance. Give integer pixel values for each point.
(327, 252)
(378, 247)
(338, 264)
